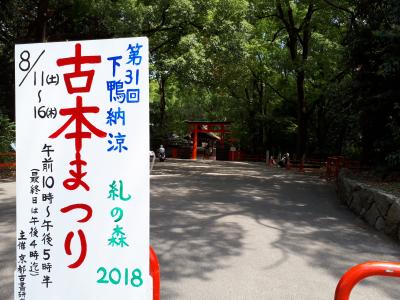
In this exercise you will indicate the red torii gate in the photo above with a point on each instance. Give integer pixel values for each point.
(207, 126)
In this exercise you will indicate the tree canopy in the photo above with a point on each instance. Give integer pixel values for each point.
(312, 77)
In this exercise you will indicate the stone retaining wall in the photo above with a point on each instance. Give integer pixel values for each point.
(378, 208)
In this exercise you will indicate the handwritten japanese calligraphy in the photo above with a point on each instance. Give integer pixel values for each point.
(83, 196)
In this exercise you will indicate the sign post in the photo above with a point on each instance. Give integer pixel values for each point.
(82, 118)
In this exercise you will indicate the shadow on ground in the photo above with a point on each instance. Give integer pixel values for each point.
(190, 199)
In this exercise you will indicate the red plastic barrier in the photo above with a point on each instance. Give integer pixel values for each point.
(8, 164)
(155, 273)
(334, 163)
(238, 155)
(174, 152)
(362, 271)
(231, 155)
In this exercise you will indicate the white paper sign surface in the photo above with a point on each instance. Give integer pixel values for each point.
(82, 118)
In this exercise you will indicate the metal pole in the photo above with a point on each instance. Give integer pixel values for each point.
(361, 271)
(155, 273)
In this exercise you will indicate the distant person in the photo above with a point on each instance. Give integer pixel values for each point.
(284, 161)
(161, 153)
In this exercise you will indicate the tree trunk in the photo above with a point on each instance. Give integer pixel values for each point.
(301, 115)
(298, 35)
(161, 90)
(321, 129)
(41, 21)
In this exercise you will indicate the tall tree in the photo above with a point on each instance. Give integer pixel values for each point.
(299, 36)
(302, 27)
(374, 44)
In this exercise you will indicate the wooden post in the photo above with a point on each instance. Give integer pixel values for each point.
(301, 168)
(194, 150)
(222, 135)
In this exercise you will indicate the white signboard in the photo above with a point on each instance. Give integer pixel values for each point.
(82, 115)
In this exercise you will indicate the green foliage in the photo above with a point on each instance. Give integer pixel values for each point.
(374, 48)
(393, 159)
(7, 133)
(316, 73)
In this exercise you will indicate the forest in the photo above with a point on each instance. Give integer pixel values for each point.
(312, 77)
